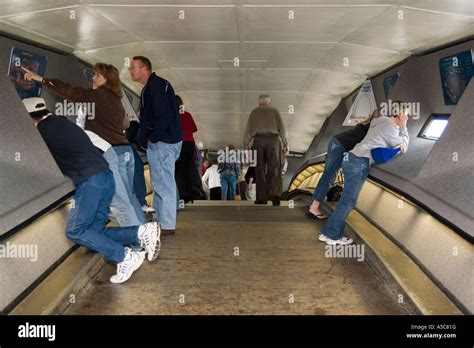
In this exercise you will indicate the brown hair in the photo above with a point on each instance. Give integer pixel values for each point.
(111, 73)
(231, 147)
(144, 60)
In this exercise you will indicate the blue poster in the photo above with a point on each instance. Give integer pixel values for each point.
(389, 83)
(456, 72)
(31, 61)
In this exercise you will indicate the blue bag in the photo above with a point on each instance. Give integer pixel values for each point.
(383, 154)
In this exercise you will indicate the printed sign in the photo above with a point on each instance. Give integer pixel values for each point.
(31, 61)
(456, 72)
(363, 105)
(389, 83)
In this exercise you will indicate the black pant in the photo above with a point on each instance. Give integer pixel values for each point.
(184, 171)
(268, 171)
(215, 194)
(242, 187)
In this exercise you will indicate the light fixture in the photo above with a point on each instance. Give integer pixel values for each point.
(434, 126)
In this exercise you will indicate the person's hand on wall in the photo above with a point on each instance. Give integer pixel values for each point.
(402, 147)
(30, 75)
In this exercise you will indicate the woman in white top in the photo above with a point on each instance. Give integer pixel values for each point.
(211, 183)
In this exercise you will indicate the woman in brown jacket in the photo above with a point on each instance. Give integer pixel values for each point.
(105, 117)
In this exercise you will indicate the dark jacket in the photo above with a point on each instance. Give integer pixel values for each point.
(159, 116)
(350, 138)
(72, 149)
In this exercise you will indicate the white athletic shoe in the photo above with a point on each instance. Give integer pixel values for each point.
(342, 241)
(148, 210)
(132, 261)
(323, 238)
(149, 236)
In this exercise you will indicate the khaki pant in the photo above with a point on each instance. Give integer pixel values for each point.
(268, 170)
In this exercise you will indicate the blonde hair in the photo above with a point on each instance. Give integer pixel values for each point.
(373, 114)
(111, 74)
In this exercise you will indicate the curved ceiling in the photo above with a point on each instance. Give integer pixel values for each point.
(221, 54)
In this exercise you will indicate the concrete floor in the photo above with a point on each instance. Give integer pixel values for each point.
(280, 269)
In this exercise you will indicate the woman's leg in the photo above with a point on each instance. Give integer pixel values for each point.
(224, 186)
(355, 171)
(189, 167)
(121, 209)
(335, 154)
(232, 183)
(215, 194)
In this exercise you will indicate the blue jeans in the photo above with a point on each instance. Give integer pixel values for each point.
(123, 212)
(139, 185)
(177, 198)
(161, 161)
(334, 158)
(228, 181)
(86, 223)
(355, 171)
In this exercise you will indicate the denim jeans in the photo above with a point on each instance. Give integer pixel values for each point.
(355, 171)
(86, 223)
(161, 161)
(228, 182)
(139, 185)
(122, 209)
(334, 158)
(127, 172)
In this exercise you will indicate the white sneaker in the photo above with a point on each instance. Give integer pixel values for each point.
(148, 210)
(342, 241)
(323, 238)
(149, 236)
(132, 261)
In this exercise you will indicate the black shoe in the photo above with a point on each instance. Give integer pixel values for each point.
(260, 202)
(276, 201)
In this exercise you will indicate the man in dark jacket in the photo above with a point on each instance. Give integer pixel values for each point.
(80, 160)
(160, 133)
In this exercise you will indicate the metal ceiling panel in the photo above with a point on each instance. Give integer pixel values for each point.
(175, 23)
(299, 61)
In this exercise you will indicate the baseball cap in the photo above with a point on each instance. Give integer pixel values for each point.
(34, 104)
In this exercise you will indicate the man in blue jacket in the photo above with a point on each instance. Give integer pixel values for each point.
(160, 133)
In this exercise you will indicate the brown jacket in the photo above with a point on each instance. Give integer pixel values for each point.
(264, 120)
(109, 115)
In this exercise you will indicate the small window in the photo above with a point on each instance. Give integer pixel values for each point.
(434, 127)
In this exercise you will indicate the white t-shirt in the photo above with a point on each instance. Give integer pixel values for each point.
(213, 176)
(98, 141)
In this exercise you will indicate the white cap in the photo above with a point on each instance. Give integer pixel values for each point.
(34, 104)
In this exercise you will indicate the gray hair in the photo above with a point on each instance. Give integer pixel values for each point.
(264, 99)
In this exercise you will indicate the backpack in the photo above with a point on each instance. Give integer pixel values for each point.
(334, 193)
(383, 154)
(222, 166)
